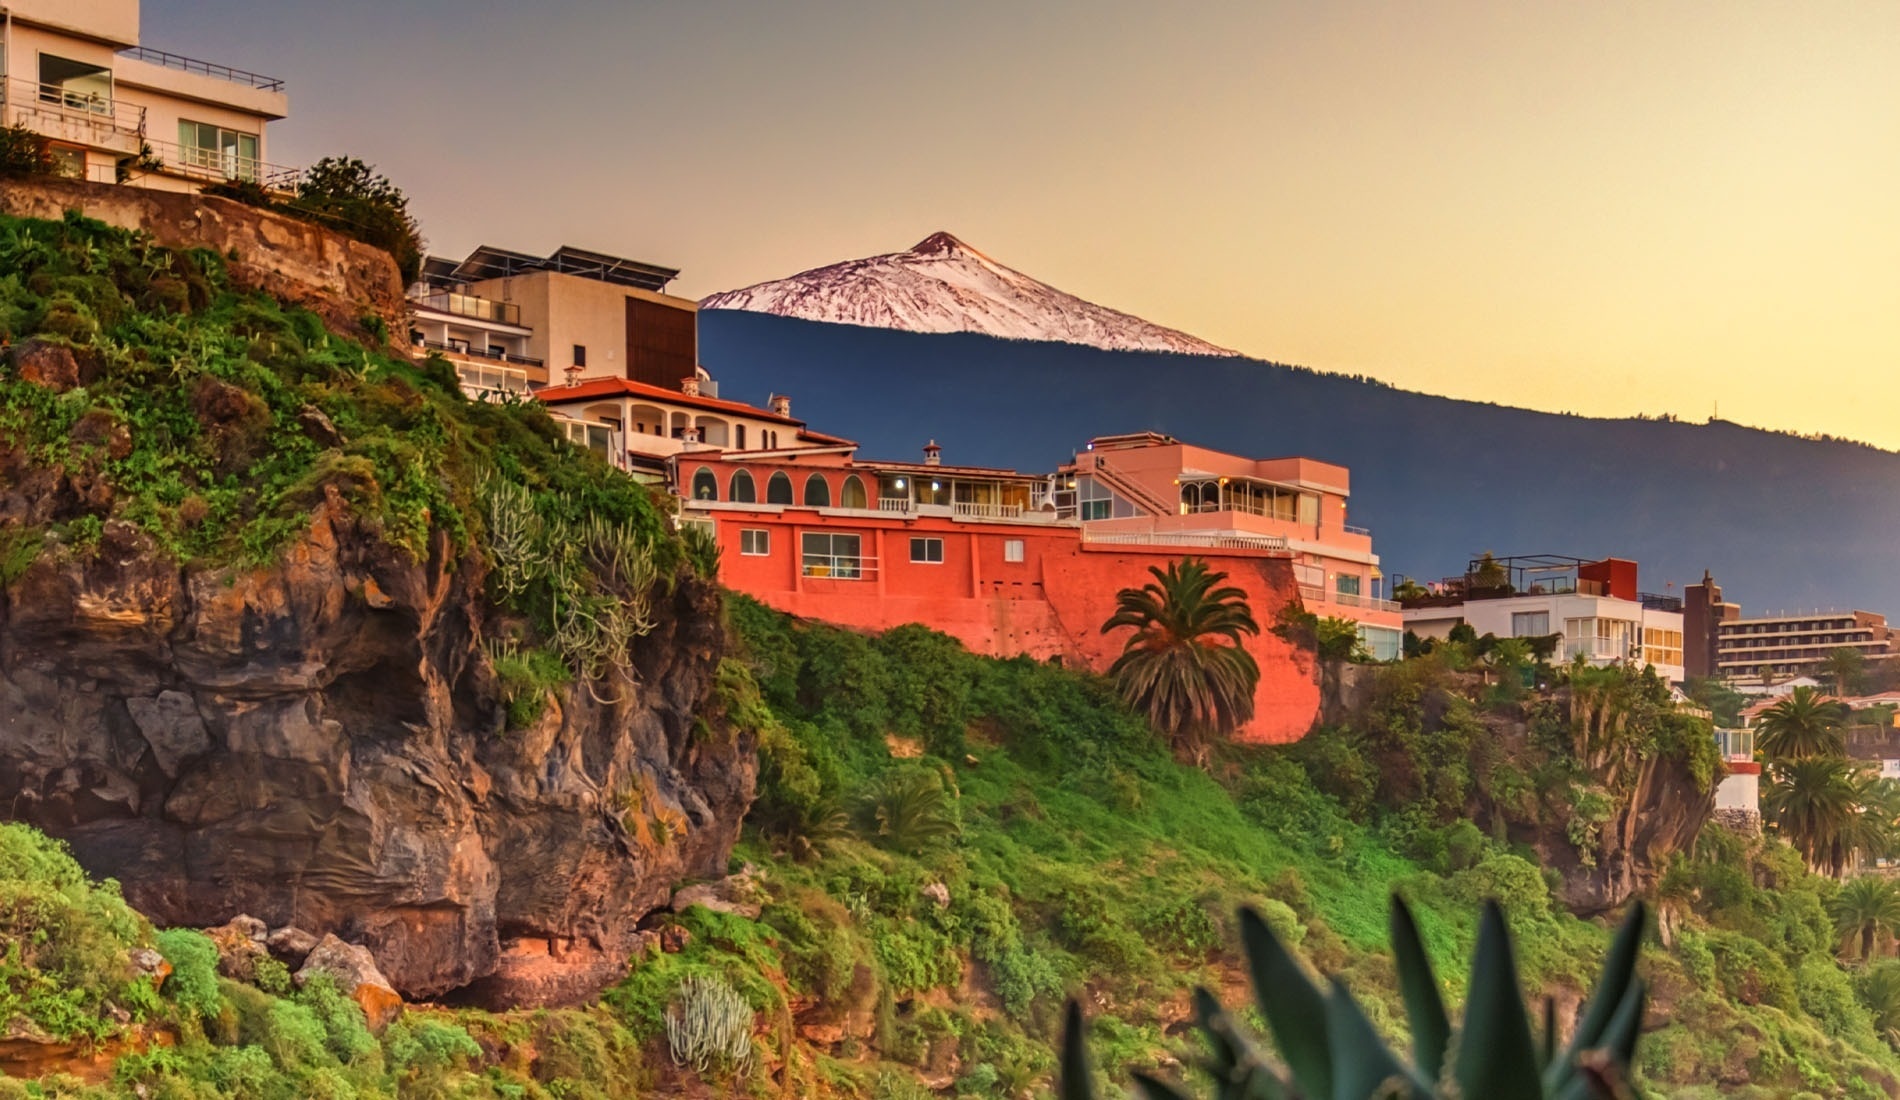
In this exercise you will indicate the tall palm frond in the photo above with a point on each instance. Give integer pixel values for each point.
(1804, 723)
(1186, 665)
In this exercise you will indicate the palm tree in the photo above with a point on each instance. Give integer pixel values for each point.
(1846, 665)
(1880, 992)
(1186, 665)
(1802, 724)
(1814, 802)
(1864, 909)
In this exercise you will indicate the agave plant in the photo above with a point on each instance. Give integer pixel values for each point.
(1330, 1050)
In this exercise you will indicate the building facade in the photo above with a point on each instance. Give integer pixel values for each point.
(512, 321)
(1703, 613)
(1008, 563)
(1595, 606)
(1790, 645)
(114, 110)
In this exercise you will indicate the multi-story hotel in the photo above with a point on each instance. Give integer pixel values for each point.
(1786, 645)
(114, 110)
(1594, 605)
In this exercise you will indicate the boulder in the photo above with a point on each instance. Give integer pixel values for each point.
(50, 365)
(318, 427)
(355, 973)
(292, 946)
(937, 892)
(741, 894)
(240, 943)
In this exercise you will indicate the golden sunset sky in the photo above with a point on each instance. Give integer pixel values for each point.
(1605, 208)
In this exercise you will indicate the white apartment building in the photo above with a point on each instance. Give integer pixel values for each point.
(115, 110)
(1594, 605)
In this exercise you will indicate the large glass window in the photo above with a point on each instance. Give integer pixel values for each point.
(1605, 639)
(1347, 584)
(1094, 500)
(1662, 647)
(853, 495)
(231, 153)
(705, 485)
(817, 492)
(742, 489)
(778, 490)
(1383, 642)
(828, 554)
(1530, 624)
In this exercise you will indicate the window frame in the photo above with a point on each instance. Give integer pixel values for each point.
(1015, 551)
(925, 542)
(749, 537)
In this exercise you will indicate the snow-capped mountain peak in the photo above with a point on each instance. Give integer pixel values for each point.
(942, 284)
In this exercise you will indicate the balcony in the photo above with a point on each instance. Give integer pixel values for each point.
(204, 68)
(482, 381)
(1313, 593)
(1185, 538)
(470, 305)
(493, 354)
(219, 166)
(78, 116)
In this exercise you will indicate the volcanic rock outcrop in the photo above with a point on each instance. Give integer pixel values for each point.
(319, 744)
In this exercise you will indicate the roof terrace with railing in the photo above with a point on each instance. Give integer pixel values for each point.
(204, 68)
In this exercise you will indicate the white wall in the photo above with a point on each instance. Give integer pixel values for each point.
(115, 21)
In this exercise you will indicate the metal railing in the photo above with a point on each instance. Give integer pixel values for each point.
(499, 355)
(471, 305)
(204, 68)
(1128, 488)
(59, 104)
(1313, 593)
(1351, 530)
(1179, 538)
(492, 379)
(216, 164)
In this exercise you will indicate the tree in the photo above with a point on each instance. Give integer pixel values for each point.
(1847, 665)
(1865, 909)
(354, 199)
(25, 153)
(1490, 573)
(1814, 801)
(1186, 665)
(1802, 724)
(1409, 589)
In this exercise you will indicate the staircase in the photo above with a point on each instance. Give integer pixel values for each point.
(1130, 489)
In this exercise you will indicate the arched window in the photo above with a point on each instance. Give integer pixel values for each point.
(705, 485)
(853, 495)
(1190, 498)
(817, 492)
(742, 489)
(779, 489)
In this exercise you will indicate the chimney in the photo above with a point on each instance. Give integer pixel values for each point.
(691, 438)
(573, 374)
(690, 386)
(933, 454)
(780, 404)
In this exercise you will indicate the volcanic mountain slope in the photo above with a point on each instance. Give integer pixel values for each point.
(944, 285)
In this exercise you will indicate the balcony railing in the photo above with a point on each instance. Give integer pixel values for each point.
(1313, 593)
(893, 504)
(499, 355)
(1185, 538)
(840, 567)
(987, 511)
(485, 379)
(471, 305)
(1351, 530)
(61, 112)
(216, 164)
(205, 68)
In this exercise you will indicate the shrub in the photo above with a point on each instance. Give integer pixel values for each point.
(65, 942)
(25, 153)
(356, 200)
(1512, 881)
(193, 983)
(911, 810)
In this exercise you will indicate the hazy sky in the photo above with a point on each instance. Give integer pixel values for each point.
(1606, 208)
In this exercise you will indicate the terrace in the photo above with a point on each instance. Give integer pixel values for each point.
(204, 68)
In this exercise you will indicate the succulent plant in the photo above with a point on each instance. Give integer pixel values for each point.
(1330, 1050)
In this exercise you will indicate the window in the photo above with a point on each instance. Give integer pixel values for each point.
(817, 492)
(1095, 500)
(1662, 647)
(68, 161)
(754, 542)
(778, 490)
(1530, 624)
(1309, 510)
(705, 485)
(928, 551)
(738, 437)
(832, 555)
(230, 153)
(853, 495)
(1607, 639)
(580, 355)
(1012, 549)
(742, 490)
(1382, 642)
(1347, 584)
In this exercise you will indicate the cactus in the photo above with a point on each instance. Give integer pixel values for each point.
(708, 1025)
(1331, 1052)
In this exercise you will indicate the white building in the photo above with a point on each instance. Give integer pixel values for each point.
(1594, 605)
(114, 110)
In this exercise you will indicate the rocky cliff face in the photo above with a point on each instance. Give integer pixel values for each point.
(318, 744)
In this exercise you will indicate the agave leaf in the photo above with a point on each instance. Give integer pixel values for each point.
(1076, 1083)
(1620, 1037)
(1497, 1058)
(1619, 968)
(1294, 1008)
(1236, 1064)
(1424, 1008)
(1549, 1048)
(1361, 1060)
